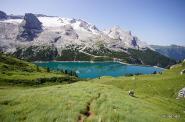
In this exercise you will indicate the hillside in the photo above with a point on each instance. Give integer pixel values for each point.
(105, 99)
(14, 71)
(173, 51)
(145, 57)
(44, 38)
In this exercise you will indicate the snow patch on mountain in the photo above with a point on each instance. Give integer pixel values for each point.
(124, 39)
(63, 32)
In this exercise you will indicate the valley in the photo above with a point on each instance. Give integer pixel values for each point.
(99, 99)
(60, 69)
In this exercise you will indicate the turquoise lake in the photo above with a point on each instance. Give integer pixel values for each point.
(98, 69)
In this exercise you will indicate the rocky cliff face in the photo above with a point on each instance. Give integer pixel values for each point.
(3, 15)
(29, 28)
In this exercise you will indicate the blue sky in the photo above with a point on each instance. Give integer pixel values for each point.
(153, 21)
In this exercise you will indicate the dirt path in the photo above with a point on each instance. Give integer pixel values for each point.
(88, 113)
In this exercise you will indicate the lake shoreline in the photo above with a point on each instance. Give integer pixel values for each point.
(99, 62)
(89, 69)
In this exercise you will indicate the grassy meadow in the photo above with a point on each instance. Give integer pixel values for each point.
(96, 100)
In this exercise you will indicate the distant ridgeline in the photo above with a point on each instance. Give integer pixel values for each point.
(173, 51)
(45, 38)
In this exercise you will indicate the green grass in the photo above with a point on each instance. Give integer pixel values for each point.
(14, 71)
(105, 99)
(67, 102)
(150, 57)
(166, 84)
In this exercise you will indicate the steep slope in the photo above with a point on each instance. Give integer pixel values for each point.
(14, 71)
(150, 57)
(41, 37)
(173, 51)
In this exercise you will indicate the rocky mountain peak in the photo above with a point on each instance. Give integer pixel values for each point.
(30, 27)
(31, 21)
(3, 15)
(116, 32)
(84, 25)
(73, 20)
(95, 28)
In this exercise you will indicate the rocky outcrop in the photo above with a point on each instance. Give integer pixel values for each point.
(69, 31)
(182, 72)
(181, 93)
(134, 42)
(29, 28)
(3, 15)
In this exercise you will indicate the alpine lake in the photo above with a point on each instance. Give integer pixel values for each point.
(99, 69)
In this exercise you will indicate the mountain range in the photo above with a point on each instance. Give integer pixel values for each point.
(173, 51)
(38, 37)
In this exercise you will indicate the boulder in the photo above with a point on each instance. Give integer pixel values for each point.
(181, 93)
(131, 93)
(182, 72)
